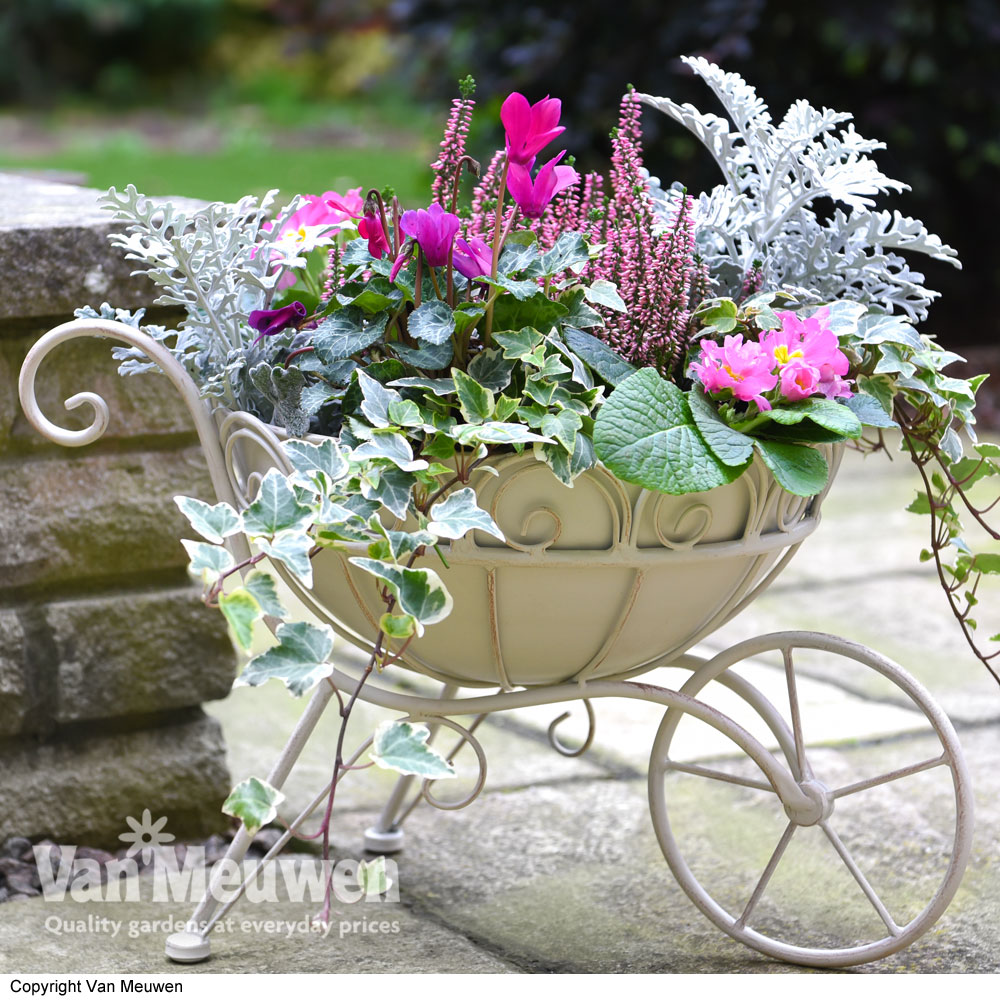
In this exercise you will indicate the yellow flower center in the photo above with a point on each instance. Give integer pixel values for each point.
(783, 356)
(732, 374)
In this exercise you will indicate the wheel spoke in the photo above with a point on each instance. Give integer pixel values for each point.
(711, 772)
(860, 786)
(845, 855)
(766, 876)
(805, 771)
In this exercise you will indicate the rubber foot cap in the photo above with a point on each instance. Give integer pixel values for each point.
(186, 946)
(383, 841)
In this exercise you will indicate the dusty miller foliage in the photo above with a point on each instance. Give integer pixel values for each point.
(215, 264)
(762, 216)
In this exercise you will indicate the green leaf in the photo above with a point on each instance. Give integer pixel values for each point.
(987, 562)
(580, 314)
(405, 413)
(392, 490)
(208, 562)
(988, 449)
(299, 659)
(393, 447)
(419, 592)
(345, 333)
(605, 293)
(402, 747)
(536, 310)
(730, 446)
(798, 468)
(241, 609)
(645, 434)
(475, 401)
(718, 314)
(491, 370)
(495, 432)
(372, 879)
(325, 457)
(398, 626)
(609, 365)
(376, 399)
(276, 508)
(291, 548)
(429, 357)
(214, 523)
(518, 344)
(869, 411)
(569, 253)
(920, 505)
(254, 803)
(458, 514)
(265, 591)
(563, 427)
(432, 321)
(831, 415)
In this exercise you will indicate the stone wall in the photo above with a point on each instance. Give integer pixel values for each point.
(106, 652)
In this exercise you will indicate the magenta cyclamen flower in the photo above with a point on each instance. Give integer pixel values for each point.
(370, 227)
(743, 369)
(473, 258)
(533, 197)
(433, 229)
(530, 127)
(268, 322)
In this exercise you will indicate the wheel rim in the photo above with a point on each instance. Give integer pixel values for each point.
(787, 728)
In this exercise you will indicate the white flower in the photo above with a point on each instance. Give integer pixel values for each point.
(146, 835)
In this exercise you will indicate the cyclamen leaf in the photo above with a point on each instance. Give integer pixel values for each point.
(459, 514)
(208, 562)
(276, 508)
(569, 253)
(645, 434)
(402, 747)
(298, 660)
(254, 803)
(345, 333)
(798, 468)
(291, 548)
(429, 357)
(432, 321)
(214, 523)
(241, 609)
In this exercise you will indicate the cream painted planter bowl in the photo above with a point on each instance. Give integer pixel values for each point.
(601, 580)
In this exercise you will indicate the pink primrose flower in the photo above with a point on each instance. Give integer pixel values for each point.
(433, 229)
(743, 369)
(798, 380)
(530, 128)
(534, 197)
(808, 340)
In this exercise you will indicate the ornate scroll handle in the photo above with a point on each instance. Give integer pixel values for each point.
(561, 747)
(113, 330)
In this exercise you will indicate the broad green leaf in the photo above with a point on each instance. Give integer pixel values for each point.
(325, 457)
(299, 659)
(345, 333)
(491, 370)
(536, 310)
(475, 401)
(458, 514)
(728, 445)
(265, 591)
(869, 411)
(276, 508)
(645, 434)
(254, 803)
(393, 447)
(432, 321)
(214, 523)
(402, 747)
(467, 315)
(609, 365)
(208, 562)
(291, 548)
(605, 293)
(988, 450)
(418, 592)
(798, 468)
(825, 413)
(241, 609)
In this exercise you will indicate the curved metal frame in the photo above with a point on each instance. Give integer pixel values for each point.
(788, 777)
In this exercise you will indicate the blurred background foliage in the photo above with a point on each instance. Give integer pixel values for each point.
(212, 98)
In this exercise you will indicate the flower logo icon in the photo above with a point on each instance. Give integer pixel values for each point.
(146, 835)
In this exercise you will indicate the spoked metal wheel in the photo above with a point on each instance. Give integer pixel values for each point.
(854, 876)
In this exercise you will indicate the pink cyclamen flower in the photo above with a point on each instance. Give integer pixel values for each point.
(530, 127)
(533, 197)
(473, 258)
(742, 369)
(268, 322)
(433, 229)
(370, 227)
(810, 341)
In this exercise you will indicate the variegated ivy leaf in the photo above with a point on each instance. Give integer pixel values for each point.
(438, 386)
(474, 400)
(400, 544)
(372, 877)
(392, 446)
(254, 802)
(291, 548)
(494, 432)
(402, 747)
(265, 592)
(241, 610)
(418, 592)
(459, 514)
(392, 489)
(518, 345)
(605, 293)
(563, 427)
(299, 659)
(276, 508)
(398, 626)
(376, 399)
(208, 562)
(214, 523)
(325, 457)
(875, 328)
(491, 370)
(405, 413)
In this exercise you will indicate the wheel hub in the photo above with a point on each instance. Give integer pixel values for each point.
(818, 808)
